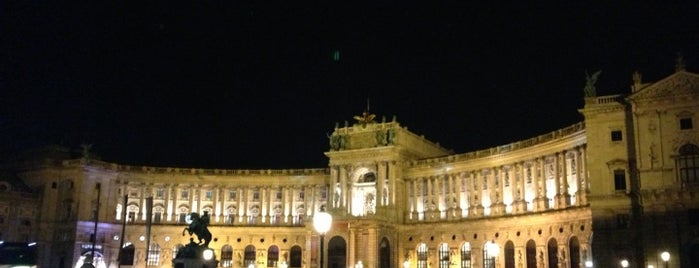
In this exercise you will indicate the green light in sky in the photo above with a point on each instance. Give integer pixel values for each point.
(336, 55)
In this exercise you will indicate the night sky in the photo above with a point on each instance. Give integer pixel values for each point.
(233, 84)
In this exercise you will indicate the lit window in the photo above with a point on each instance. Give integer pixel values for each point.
(153, 255)
(422, 255)
(444, 256)
(466, 255)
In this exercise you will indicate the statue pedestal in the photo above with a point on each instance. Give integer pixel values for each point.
(194, 255)
(194, 263)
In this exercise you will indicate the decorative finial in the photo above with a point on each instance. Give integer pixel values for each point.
(590, 90)
(679, 63)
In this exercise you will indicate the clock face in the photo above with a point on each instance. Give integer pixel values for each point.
(188, 219)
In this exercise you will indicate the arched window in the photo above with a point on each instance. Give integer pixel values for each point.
(227, 256)
(384, 254)
(531, 254)
(153, 255)
(553, 253)
(249, 256)
(295, 257)
(688, 164)
(509, 255)
(422, 255)
(272, 256)
(490, 253)
(466, 255)
(444, 255)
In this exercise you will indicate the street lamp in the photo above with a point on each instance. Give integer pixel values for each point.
(624, 263)
(322, 222)
(666, 257)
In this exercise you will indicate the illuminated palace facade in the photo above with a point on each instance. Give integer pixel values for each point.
(620, 185)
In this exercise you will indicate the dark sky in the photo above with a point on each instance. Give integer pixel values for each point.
(231, 84)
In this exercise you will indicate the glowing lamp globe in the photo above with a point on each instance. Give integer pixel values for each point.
(322, 221)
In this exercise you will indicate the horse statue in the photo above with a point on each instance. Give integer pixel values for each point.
(198, 225)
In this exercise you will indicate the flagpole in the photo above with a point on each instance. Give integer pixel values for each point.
(149, 220)
(123, 229)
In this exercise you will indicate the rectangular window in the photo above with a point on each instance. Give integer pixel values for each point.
(209, 195)
(620, 180)
(686, 123)
(616, 135)
(184, 194)
(183, 217)
(301, 195)
(279, 195)
(231, 195)
(160, 193)
(131, 217)
(256, 196)
(157, 217)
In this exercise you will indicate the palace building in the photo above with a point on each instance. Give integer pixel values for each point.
(620, 186)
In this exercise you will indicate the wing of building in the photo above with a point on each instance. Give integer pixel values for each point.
(621, 185)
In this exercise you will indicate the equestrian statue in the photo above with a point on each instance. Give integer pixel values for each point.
(199, 226)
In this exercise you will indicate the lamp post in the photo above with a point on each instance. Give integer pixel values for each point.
(322, 222)
(666, 257)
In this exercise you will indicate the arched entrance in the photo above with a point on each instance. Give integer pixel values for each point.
(552, 248)
(384, 254)
(531, 254)
(98, 261)
(509, 255)
(337, 252)
(574, 249)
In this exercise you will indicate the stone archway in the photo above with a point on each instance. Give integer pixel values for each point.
(337, 252)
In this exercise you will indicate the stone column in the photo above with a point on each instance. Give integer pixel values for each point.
(286, 205)
(476, 195)
(460, 192)
(142, 201)
(415, 199)
(582, 176)
(562, 178)
(168, 202)
(343, 187)
(216, 190)
(380, 183)
(541, 199)
(520, 204)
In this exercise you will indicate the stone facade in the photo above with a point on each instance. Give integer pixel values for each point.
(621, 185)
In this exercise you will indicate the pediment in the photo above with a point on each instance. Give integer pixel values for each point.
(678, 84)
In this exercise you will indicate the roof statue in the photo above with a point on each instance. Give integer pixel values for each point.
(679, 63)
(366, 117)
(590, 90)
